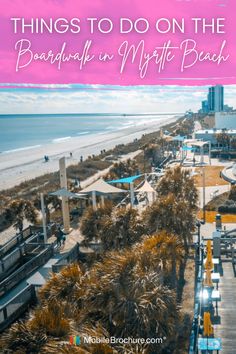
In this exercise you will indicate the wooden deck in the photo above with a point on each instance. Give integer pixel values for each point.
(227, 309)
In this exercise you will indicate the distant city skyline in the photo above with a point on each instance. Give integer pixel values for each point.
(105, 99)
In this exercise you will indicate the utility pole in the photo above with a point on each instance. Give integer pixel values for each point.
(43, 218)
(65, 200)
(204, 193)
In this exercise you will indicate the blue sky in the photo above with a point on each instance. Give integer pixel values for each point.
(105, 99)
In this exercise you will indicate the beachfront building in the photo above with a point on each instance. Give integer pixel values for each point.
(225, 120)
(215, 98)
(211, 135)
(205, 108)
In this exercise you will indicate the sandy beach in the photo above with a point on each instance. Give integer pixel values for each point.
(22, 165)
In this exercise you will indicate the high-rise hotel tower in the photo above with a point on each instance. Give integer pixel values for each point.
(216, 98)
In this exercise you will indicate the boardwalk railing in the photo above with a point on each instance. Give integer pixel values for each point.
(14, 308)
(197, 310)
(26, 234)
(26, 269)
(16, 240)
(12, 260)
(9, 261)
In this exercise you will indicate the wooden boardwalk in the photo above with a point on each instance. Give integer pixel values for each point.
(226, 329)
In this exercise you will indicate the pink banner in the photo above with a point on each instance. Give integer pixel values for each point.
(120, 42)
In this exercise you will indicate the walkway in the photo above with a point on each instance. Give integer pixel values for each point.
(226, 310)
(210, 193)
(228, 174)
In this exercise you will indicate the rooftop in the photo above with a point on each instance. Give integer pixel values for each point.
(216, 131)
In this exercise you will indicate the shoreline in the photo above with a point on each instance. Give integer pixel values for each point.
(22, 165)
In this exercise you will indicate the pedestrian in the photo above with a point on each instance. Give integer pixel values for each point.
(59, 236)
(135, 200)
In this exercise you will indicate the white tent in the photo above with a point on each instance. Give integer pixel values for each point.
(101, 187)
(146, 187)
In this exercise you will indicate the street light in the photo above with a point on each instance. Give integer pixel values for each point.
(43, 218)
(203, 191)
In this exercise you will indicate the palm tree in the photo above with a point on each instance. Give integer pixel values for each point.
(223, 139)
(20, 209)
(92, 220)
(123, 169)
(122, 229)
(122, 295)
(51, 319)
(126, 301)
(173, 216)
(162, 249)
(51, 203)
(180, 183)
(62, 285)
(20, 339)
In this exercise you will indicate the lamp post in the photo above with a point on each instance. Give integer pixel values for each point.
(204, 193)
(65, 201)
(43, 218)
(198, 224)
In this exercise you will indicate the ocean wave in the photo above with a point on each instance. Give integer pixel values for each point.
(83, 133)
(22, 149)
(59, 140)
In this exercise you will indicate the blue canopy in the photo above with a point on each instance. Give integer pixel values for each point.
(187, 148)
(126, 180)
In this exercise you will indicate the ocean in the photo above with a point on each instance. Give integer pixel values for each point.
(23, 132)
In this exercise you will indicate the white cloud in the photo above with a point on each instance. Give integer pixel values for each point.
(110, 99)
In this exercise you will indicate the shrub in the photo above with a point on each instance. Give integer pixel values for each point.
(227, 209)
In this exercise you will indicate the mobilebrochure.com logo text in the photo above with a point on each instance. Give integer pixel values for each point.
(78, 340)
